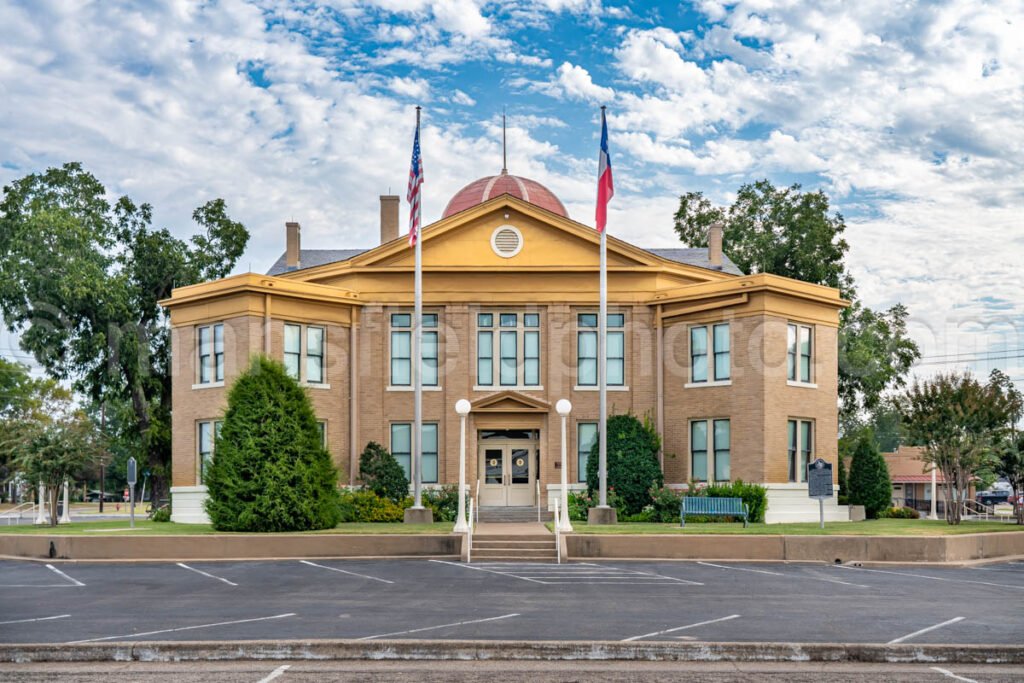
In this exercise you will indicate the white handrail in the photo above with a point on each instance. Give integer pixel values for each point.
(538, 500)
(558, 538)
(469, 534)
(16, 512)
(478, 501)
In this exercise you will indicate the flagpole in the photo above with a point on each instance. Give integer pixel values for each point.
(602, 371)
(417, 351)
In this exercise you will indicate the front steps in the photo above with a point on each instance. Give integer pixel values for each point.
(497, 542)
(519, 514)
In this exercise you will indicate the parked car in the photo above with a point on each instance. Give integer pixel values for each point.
(991, 498)
(108, 496)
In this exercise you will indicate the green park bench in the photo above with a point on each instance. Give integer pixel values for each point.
(711, 507)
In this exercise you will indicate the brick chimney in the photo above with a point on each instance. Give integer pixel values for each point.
(292, 251)
(715, 231)
(389, 204)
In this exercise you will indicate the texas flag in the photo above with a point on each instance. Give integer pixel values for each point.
(605, 188)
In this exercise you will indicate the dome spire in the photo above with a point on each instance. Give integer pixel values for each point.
(504, 146)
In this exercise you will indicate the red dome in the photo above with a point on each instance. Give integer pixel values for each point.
(479, 191)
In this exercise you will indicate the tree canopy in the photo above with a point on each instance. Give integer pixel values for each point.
(81, 278)
(791, 232)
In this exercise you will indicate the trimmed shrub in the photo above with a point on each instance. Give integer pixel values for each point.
(443, 501)
(633, 468)
(666, 503)
(755, 497)
(899, 513)
(381, 473)
(162, 514)
(270, 471)
(366, 506)
(868, 479)
(581, 502)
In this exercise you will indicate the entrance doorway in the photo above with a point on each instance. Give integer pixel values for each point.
(508, 467)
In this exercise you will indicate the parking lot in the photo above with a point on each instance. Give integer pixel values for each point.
(73, 602)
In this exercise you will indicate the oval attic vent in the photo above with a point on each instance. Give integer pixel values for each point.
(506, 241)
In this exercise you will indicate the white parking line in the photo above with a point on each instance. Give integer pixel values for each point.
(925, 576)
(342, 571)
(434, 628)
(741, 569)
(802, 577)
(582, 574)
(681, 628)
(924, 630)
(25, 621)
(200, 571)
(182, 628)
(62, 574)
(275, 673)
(950, 674)
(489, 571)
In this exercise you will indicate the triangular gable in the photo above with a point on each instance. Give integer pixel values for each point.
(510, 402)
(462, 242)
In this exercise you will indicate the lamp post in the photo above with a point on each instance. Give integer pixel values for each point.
(462, 407)
(563, 408)
(932, 514)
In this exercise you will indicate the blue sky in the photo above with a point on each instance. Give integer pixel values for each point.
(909, 115)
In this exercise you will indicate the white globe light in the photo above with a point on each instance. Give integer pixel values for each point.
(563, 407)
(462, 406)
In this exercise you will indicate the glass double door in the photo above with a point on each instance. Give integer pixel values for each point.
(507, 474)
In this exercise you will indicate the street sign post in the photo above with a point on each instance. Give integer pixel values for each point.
(133, 477)
(819, 485)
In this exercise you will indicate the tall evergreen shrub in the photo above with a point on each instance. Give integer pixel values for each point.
(633, 468)
(382, 474)
(270, 471)
(868, 479)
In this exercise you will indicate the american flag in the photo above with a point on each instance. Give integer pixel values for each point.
(413, 194)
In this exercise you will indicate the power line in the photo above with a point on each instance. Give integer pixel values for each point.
(971, 353)
(969, 360)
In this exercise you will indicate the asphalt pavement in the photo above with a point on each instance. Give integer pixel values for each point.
(74, 602)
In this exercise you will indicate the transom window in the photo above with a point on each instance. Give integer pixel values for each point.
(586, 349)
(801, 448)
(401, 448)
(710, 358)
(508, 353)
(313, 351)
(210, 343)
(798, 353)
(401, 349)
(206, 437)
(710, 450)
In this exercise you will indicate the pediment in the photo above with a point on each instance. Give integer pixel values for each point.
(510, 402)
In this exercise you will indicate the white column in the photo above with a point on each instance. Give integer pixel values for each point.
(564, 407)
(462, 407)
(40, 517)
(932, 514)
(65, 517)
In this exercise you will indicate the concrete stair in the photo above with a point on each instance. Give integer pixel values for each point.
(517, 544)
(520, 514)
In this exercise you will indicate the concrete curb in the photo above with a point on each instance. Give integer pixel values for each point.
(470, 650)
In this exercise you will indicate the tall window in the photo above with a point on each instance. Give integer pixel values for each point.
(314, 352)
(211, 353)
(401, 448)
(586, 350)
(401, 350)
(710, 450)
(801, 448)
(207, 433)
(798, 355)
(710, 359)
(322, 425)
(586, 437)
(515, 339)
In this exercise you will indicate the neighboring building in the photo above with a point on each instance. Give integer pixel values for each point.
(738, 372)
(911, 481)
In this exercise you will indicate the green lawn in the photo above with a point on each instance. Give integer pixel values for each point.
(147, 528)
(876, 527)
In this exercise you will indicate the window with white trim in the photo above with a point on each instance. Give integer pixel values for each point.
(401, 350)
(586, 349)
(206, 438)
(799, 343)
(710, 449)
(710, 359)
(586, 437)
(401, 448)
(508, 353)
(800, 434)
(313, 350)
(210, 346)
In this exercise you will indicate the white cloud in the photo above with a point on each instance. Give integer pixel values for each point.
(459, 97)
(415, 88)
(574, 81)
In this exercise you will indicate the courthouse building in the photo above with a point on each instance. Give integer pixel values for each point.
(737, 372)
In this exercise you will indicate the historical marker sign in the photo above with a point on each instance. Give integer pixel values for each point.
(819, 479)
(133, 472)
